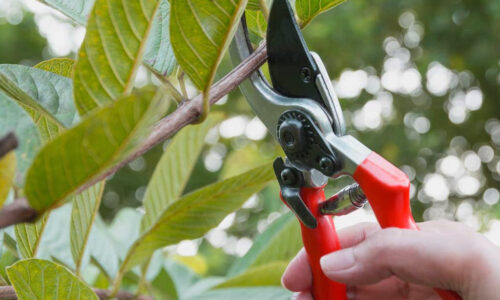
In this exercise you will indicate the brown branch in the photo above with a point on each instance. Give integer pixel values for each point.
(7, 144)
(8, 292)
(186, 113)
(18, 211)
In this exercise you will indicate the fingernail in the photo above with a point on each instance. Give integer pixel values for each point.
(351, 292)
(338, 261)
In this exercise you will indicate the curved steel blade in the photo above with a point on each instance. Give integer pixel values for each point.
(293, 70)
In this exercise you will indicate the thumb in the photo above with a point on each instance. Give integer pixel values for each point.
(428, 258)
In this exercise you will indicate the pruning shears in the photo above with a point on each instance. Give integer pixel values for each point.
(302, 112)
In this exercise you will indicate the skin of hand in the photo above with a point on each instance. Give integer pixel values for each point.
(403, 264)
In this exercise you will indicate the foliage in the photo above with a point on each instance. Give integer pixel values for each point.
(76, 118)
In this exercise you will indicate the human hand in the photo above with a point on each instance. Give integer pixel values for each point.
(404, 264)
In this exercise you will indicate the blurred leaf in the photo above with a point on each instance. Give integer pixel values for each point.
(159, 53)
(194, 214)
(125, 229)
(101, 249)
(59, 66)
(174, 169)
(256, 22)
(111, 51)
(201, 32)
(44, 95)
(42, 279)
(309, 9)
(165, 286)
(279, 242)
(92, 147)
(84, 211)
(78, 10)
(261, 293)
(196, 263)
(7, 172)
(263, 275)
(55, 242)
(29, 236)
(14, 118)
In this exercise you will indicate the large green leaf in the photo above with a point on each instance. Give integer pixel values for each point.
(159, 53)
(85, 208)
(7, 172)
(194, 214)
(111, 51)
(29, 236)
(201, 32)
(309, 9)
(59, 66)
(42, 279)
(260, 293)
(78, 10)
(89, 149)
(268, 274)
(44, 95)
(174, 168)
(279, 242)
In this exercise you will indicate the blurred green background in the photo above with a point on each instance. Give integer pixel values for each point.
(419, 82)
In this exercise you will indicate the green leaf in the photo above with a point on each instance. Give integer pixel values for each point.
(85, 208)
(256, 22)
(45, 96)
(309, 9)
(264, 275)
(29, 236)
(253, 5)
(111, 51)
(261, 293)
(99, 142)
(201, 32)
(59, 66)
(174, 169)
(159, 53)
(78, 10)
(42, 279)
(279, 242)
(194, 214)
(7, 172)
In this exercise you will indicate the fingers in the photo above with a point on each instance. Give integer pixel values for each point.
(426, 258)
(392, 288)
(355, 234)
(302, 296)
(297, 276)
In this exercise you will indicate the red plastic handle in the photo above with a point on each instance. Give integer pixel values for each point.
(388, 191)
(318, 242)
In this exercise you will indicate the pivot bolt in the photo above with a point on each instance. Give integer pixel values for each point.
(306, 74)
(288, 176)
(326, 165)
(291, 135)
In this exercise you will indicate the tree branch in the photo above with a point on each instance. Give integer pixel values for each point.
(186, 113)
(8, 292)
(7, 144)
